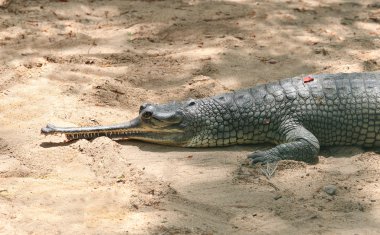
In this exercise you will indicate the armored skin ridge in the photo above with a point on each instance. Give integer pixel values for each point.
(299, 114)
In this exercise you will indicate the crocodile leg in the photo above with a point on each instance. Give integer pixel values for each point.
(299, 144)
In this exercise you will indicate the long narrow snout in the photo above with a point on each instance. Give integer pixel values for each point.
(161, 124)
(122, 130)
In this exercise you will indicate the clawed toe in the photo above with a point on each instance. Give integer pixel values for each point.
(262, 157)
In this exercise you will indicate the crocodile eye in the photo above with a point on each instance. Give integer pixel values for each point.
(147, 114)
(143, 106)
(192, 103)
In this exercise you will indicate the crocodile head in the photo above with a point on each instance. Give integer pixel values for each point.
(170, 124)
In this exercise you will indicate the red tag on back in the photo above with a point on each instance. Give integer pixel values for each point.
(308, 79)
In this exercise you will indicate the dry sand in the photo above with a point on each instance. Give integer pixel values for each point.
(80, 62)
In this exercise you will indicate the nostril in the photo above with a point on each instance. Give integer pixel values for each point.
(147, 114)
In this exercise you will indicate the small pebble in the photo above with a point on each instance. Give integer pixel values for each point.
(330, 189)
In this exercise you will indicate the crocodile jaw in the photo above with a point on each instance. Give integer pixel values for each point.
(134, 129)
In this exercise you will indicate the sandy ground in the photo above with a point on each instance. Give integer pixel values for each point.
(76, 63)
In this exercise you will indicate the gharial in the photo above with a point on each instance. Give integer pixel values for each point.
(299, 114)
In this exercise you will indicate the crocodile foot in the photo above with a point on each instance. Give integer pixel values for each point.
(262, 157)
